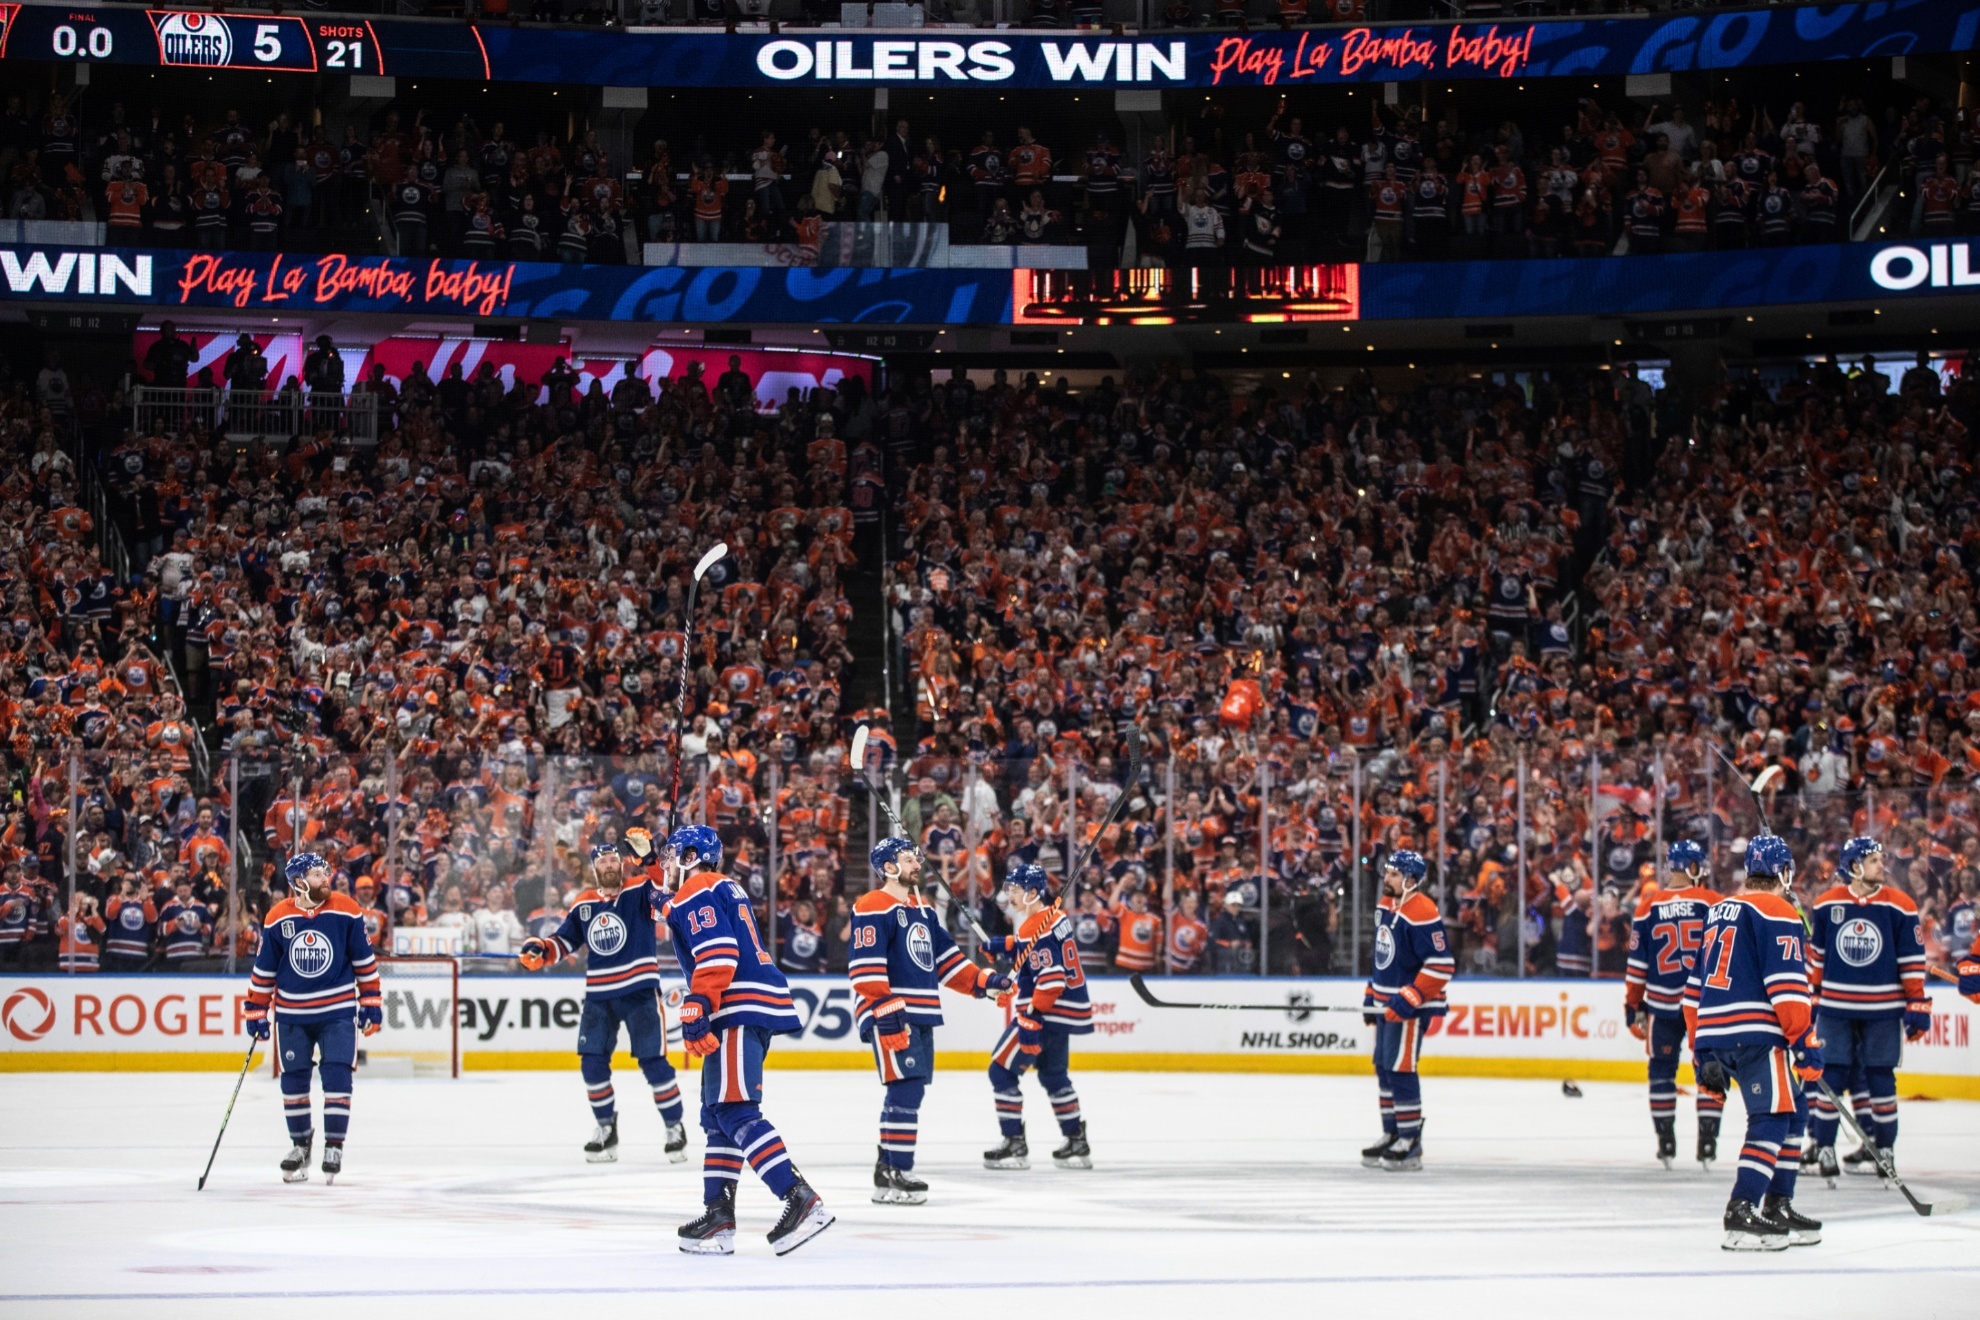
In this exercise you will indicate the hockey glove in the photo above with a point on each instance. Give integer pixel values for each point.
(890, 1024)
(1031, 1036)
(1917, 1018)
(993, 983)
(1969, 978)
(1371, 1014)
(697, 1034)
(1403, 1004)
(370, 1018)
(536, 954)
(640, 843)
(1711, 1076)
(1808, 1062)
(257, 1021)
(1638, 1020)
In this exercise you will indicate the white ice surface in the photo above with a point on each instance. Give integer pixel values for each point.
(1217, 1196)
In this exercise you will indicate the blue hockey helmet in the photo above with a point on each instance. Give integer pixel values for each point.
(697, 843)
(1857, 851)
(1030, 878)
(296, 870)
(888, 851)
(1683, 854)
(1410, 863)
(600, 851)
(1768, 855)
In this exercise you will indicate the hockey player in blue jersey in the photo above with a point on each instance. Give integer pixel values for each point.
(1052, 1007)
(316, 971)
(1412, 965)
(737, 1001)
(900, 958)
(1747, 1011)
(615, 922)
(1663, 942)
(1866, 965)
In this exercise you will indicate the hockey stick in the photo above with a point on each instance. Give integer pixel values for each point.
(1148, 998)
(1760, 784)
(716, 553)
(1106, 823)
(857, 756)
(1941, 973)
(1944, 1206)
(246, 1063)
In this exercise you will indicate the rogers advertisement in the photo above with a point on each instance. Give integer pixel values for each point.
(776, 372)
(1494, 1028)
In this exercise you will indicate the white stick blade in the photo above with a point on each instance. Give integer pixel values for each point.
(858, 754)
(716, 554)
(1766, 777)
(1950, 1205)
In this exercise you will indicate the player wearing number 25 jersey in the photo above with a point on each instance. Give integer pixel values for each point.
(1663, 944)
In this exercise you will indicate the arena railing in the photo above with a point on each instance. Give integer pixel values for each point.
(248, 416)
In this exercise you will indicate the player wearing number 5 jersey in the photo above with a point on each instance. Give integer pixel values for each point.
(736, 1001)
(900, 959)
(1746, 1006)
(1412, 965)
(1663, 943)
(613, 924)
(1051, 1008)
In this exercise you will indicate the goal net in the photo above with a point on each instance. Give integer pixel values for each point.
(421, 1035)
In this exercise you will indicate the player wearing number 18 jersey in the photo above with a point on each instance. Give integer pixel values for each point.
(1051, 1007)
(1663, 943)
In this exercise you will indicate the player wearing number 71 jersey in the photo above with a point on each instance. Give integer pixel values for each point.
(1747, 1006)
(736, 1001)
(1663, 944)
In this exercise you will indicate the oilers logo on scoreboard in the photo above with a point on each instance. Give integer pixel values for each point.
(921, 947)
(1858, 942)
(606, 935)
(310, 954)
(195, 40)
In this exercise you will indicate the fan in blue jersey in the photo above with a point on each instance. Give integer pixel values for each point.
(1969, 971)
(737, 1000)
(1746, 1008)
(1051, 1007)
(1663, 943)
(316, 971)
(614, 923)
(1866, 965)
(1412, 965)
(900, 958)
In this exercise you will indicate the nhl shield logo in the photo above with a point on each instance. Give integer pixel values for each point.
(607, 935)
(921, 947)
(1385, 946)
(310, 955)
(1859, 942)
(195, 40)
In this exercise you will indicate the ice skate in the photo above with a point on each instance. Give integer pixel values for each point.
(1667, 1141)
(1824, 1160)
(603, 1148)
(804, 1218)
(1371, 1156)
(1861, 1160)
(333, 1163)
(1708, 1142)
(1403, 1155)
(1075, 1154)
(295, 1165)
(1747, 1229)
(892, 1186)
(713, 1232)
(1802, 1231)
(1011, 1153)
(676, 1143)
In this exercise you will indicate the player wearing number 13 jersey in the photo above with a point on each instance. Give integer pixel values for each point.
(1051, 1008)
(736, 1001)
(1663, 943)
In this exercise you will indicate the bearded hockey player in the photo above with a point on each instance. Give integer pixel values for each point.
(1413, 964)
(1663, 942)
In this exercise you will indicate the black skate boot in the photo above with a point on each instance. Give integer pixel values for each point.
(714, 1233)
(295, 1165)
(1075, 1154)
(1802, 1231)
(676, 1143)
(1861, 1160)
(603, 1148)
(1749, 1230)
(1371, 1156)
(892, 1186)
(333, 1163)
(1708, 1142)
(1884, 1162)
(1824, 1160)
(1667, 1140)
(1403, 1154)
(804, 1218)
(1011, 1153)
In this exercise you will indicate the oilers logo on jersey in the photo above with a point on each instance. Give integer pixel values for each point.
(131, 918)
(189, 922)
(921, 947)
(606, 935)
(1857, 942)
(1385, 946)
(310, 954)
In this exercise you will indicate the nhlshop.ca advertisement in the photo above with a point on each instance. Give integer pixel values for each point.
(1532, 1028)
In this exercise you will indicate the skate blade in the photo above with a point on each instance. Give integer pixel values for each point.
(894, 1196)
(1805, 1237)
(1007, 1164)
(1829, 1180)
(722, 1244)
(677, 1156)
(1371, 1161)
(1074, 1161)
(1742, 1241)
(1668, 1161)
(1402, 1166)
(601, 1157)
(1706, 1165)
(807, 1228)
(296, 1176)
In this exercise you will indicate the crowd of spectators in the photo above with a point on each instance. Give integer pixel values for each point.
(1350, 612)
(1381, 184)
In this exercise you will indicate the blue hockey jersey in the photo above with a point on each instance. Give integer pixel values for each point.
(1051, 986)
(722, 957)
(1411, 948)
(619, 937)
(1749, 984)
(1866, 956)
(900, 950)
(316, 965)
(1663, 944)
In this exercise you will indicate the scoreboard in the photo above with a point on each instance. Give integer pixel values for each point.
(282, 43)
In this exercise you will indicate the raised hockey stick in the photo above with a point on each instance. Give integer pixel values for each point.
(1148, 998)
(1761, 782)
(1941, 973)
(857, 756)
(1943, 1206)
(246, 1063)
(716, 554)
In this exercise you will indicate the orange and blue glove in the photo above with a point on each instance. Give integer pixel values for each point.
(257, 1020)
(1917, 1018)
(1403, 1004)
(1031, 1036)
(697, 1032)
(993, 983)
(1808, 1061)
(1969, 977)
(890, 1024)
(370, 1017)
(536, 954)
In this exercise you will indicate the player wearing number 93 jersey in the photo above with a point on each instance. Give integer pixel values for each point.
(1663, 944)
(1051, 1007)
